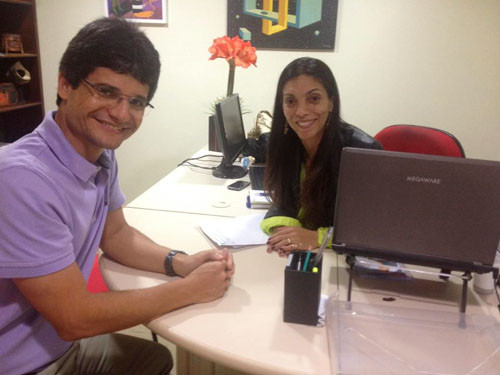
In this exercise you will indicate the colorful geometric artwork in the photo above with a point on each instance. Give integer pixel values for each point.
(143, 11)
(284, 24)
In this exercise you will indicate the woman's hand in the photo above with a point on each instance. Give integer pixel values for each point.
(286, 239)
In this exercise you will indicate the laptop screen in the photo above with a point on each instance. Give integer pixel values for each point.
(421, 209)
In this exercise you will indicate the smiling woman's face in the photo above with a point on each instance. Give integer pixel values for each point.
(306, 106)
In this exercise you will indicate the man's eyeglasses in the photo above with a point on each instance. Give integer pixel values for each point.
(112, 96)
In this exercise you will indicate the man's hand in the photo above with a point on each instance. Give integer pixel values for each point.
(208, 272)
(209, 281)
(185, 264)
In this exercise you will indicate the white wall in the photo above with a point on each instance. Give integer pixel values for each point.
(428, 62)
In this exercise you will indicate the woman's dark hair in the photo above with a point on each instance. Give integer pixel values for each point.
(115, 44)
(286, 154)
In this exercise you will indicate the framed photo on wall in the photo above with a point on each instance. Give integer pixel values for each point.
(141, 11)
(284, 24)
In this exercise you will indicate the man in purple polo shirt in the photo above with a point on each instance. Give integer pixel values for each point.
(60, 201)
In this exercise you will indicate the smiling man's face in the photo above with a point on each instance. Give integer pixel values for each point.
(93, 123)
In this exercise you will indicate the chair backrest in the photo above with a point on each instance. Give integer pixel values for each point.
(420, 140)
(96, 282)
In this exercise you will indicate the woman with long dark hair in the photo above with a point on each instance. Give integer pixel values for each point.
(303, 158)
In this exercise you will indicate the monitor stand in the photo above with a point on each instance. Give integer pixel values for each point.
(229, 171)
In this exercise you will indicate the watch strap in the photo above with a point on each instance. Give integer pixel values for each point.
(169, 260)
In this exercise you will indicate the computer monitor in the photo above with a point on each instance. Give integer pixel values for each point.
(230, 135)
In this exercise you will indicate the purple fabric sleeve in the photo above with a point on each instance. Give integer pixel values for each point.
(35, 236)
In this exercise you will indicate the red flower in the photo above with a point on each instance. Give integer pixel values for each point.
(241, 52)
(236, 52)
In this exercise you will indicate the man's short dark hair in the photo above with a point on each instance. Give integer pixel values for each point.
(115, 44)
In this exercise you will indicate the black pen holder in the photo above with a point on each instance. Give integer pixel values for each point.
(302, 290)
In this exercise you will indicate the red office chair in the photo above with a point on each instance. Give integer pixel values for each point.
(419, 140)
(96, 283)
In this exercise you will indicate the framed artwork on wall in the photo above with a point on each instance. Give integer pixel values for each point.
(141, 11)
(284, 24)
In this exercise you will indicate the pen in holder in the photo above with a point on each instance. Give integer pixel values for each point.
(302, 288)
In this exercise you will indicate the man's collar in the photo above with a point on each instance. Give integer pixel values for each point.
(59, 144)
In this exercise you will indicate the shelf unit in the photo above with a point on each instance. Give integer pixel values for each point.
(19, 17)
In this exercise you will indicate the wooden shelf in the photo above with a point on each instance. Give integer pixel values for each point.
(16, 55)
(18, 106)
(19, 17)
(18, 2)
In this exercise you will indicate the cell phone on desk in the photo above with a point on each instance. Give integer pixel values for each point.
(238, 185)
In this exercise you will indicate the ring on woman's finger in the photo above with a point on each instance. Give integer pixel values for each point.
(294, 245)
(289, 242)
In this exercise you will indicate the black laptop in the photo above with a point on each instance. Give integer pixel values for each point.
(428, 210)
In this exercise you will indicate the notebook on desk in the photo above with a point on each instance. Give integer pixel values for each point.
(420, 209)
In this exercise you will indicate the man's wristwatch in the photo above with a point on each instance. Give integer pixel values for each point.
(169, 259)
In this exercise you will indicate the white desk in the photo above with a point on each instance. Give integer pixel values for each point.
(192, 190)
(244, 330)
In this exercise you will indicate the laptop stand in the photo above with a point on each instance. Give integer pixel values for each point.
(466, 277)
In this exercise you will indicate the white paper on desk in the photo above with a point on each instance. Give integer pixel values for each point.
(239, 231)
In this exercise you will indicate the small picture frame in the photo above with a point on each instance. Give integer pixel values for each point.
(12, 43)
(140, 11)
(8, 94)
